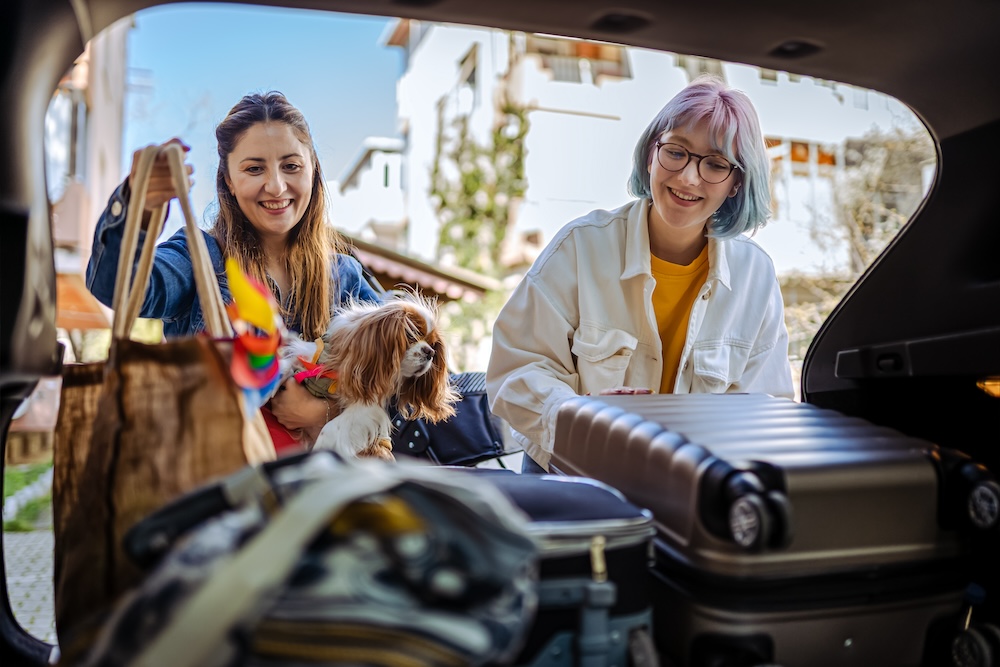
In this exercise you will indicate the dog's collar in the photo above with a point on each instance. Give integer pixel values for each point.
(314, 369)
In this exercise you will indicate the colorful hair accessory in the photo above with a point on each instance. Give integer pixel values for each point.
(254, 302)
(258, 326)
(313, 370)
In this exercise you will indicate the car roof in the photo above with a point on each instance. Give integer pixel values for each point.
(940, 60)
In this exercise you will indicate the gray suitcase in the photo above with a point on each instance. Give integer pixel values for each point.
(790, 534)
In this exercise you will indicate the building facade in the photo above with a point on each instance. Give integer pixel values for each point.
(586, 104)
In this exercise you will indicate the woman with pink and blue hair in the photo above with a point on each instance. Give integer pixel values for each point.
(665, 294)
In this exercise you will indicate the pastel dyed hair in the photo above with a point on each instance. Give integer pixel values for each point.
(732, 122)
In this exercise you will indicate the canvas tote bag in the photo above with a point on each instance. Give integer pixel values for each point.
(149, 424)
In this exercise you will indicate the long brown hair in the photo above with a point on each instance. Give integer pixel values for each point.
(310, 242)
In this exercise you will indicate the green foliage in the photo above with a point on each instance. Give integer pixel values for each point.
(878, 191)
(28, 517)
(475, 187)
(17, 477)
(875, 195)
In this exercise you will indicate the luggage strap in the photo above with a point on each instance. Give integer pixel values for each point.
(261, 567)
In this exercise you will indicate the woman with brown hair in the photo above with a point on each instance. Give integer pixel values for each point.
(271, 218)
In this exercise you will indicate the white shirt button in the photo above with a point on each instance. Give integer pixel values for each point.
(706, 295)
(116, 208)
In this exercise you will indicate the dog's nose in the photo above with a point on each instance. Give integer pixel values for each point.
(427, 351)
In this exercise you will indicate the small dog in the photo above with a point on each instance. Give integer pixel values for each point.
(374, 353)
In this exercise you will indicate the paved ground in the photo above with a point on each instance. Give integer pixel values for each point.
(28, 557)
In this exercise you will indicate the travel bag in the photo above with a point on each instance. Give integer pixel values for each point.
(592, 551)
(788, 534)
(473, 435)
(313, 560)
(595, 548)
(146, 425)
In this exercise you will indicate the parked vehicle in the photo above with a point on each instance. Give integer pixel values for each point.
(915, 345)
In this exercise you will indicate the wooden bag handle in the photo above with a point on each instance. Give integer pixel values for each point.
(129, 292)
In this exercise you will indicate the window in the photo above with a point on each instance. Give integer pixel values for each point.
(468, 68)
(696, 66)
(578, 61)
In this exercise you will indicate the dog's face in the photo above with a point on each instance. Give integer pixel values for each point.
(392, 349)
(421, 337)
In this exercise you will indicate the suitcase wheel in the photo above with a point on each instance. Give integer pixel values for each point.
(642, 652)
(749, 521)
(977, 646)
(984, 505)
(760, 520)
(747, 507)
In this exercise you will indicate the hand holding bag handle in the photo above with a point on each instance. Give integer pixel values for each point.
(159, 421)
(133, 292)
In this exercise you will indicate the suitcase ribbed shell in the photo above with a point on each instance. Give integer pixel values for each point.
(859, 494)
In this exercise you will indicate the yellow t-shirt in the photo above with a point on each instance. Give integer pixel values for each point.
(675, 292)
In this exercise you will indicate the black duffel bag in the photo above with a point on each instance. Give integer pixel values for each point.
(472, 436)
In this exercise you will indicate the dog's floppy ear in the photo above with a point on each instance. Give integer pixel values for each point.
(369, 355)
(429, 396)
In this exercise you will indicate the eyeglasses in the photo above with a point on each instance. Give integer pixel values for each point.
(711, 168)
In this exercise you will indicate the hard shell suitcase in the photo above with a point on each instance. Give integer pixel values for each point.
(788, 533)
(595, 548)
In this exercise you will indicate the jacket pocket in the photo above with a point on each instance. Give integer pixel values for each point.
(717, 367)
(602, 357)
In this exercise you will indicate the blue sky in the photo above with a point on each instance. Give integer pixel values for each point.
(188, 64)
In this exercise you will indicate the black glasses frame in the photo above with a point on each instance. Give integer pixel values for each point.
(660, 144)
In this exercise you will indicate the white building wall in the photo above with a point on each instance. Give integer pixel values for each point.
(80, 191)
(582, 136)
(106, 102)
(432, 76)
(374, 196)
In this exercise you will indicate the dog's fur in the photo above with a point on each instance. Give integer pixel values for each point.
(380, 352)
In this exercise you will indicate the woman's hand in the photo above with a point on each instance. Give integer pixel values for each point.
(623, 391)
(297, 409)
(161, 184)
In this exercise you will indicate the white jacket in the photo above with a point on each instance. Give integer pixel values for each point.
(581, 320)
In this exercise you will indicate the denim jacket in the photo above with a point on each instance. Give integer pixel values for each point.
(582, 320)
(171, 295)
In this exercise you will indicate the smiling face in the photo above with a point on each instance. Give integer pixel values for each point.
(683, 202)
(271, 175)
